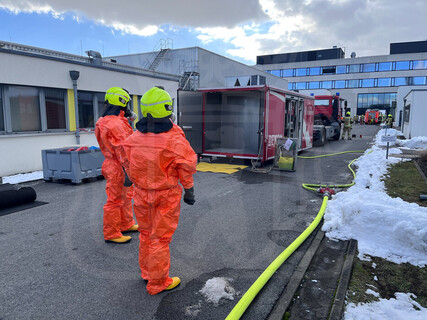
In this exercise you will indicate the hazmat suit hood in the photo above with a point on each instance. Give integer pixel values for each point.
(154, 125)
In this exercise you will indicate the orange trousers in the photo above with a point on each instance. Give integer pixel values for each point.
(118, 215)
(157, 213)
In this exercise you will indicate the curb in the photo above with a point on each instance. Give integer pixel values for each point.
(337, 309)
(288, 293)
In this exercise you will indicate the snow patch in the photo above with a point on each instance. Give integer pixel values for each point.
(217, 288)
(23, 177)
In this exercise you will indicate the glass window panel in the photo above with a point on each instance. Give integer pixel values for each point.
(381, 99)
(329, 70)
(374, 100)
(1, 110)
(288, 72)
(370, 100)
(341, 69)
(314, 85)
(301, 72)
(353, 83)
(86, 116)
(384, 82)
(315, 71)
(384, 66)
(354, 68)
(339, 84)
(368, 67)
(268, 71)
(275, 73)
(327, 84)
(365, 100)
(367, 83)
(55, 108)
(419, 81)
(359, 100)
(399, 81)
(101, 101)
(300, 85)
(387, 99)
(420, 64)
(24, 109)
(402, 65)
(290, 85)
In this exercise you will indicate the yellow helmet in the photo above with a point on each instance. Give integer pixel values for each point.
(348, 113)
(390, 116)
(117, 96)
(156, 102)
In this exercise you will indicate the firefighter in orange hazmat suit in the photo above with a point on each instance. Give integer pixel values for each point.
(157, 157)
(111, 130)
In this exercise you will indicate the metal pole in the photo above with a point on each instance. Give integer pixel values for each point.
(76, 108)
(386, 156)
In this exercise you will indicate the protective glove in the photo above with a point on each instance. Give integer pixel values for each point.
(127, 182)
(189, 196)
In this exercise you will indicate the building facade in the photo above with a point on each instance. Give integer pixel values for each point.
(369, 82)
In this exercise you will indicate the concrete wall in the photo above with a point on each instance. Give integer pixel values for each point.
(21, 152)
(416, 126)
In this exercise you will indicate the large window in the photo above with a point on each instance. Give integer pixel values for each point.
(100, 97)
(368, 67)
(55, 108)
(339, 84)
(419, 81)
(354, 68)
(314, 85)
(367, 83)
(275, 73)
(315, 71)
(300, 85)
(420, 64)
(402, 65)
(353, 84)
(341, 69)
(382, 101)
(384, 66)
(1, 110)
(402, 81)
(24, 109)
(86, 112)
(288, 73)
(327, 84)
(384, 82)
(301, 72)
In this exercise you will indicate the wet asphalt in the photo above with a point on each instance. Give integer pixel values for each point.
(56, 265)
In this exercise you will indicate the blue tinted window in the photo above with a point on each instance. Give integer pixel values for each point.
(420, 64)
(288, 72)
(354, 68)
(290, 85)
(301, 72)
(300, 85)
(329, 70)
(275, 73)
(327, 84)
(384, 66)
(402, 81)
(341, 69)
(314, 71)
(340, 84)
(368, 67)
(268, 71)
(367, 83)
(353, 83)
(419, 81)
(402, 65)
(384, 82)
(314, 85)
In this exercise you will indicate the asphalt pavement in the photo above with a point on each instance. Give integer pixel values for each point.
(56, 265)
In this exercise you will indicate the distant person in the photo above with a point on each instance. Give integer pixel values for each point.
(362, 119)
(111, 130)
(347, 126)
(157, 157)
(389, 121)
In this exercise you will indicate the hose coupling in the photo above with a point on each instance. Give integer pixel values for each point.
(327, 191)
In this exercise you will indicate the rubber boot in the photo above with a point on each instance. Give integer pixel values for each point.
(134, 228)
(122, 239)
(174, 284)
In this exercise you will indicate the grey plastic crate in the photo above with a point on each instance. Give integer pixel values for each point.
(71, 165)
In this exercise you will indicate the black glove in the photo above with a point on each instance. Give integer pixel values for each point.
(189, 196)
(127, 182)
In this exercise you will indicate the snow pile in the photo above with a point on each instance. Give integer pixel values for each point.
(386, 132)
(383, 226)
(414, 143)
(217, 288)
(403, 307)
(23, 177)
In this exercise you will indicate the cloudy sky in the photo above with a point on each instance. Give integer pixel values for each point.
(239, 29)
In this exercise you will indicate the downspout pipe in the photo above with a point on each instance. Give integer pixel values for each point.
(74, 75)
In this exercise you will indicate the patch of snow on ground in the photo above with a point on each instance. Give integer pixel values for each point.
(217, 288)
(23, 177)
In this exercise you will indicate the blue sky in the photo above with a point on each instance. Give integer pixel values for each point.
(239, 29)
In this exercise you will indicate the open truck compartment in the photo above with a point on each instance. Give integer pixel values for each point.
(244, 122)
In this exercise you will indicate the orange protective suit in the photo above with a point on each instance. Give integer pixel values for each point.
(111, 131)
(155, 163)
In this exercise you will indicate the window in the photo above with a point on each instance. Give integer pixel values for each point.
(301, 72)
(100, 103)
(402, 65)
(353, 83)
(86, 113)
(290, 85)
(1, 110)
(339, 84)
(314, 85)
(288, 73)
(384, 82)
(368, 67)
(375, 101)
(419, 81)
(401, 81)
(55, 108)
(354, 68)
(329, 70)
(420, 64)
(24, 108)
(315, 71)
(275, 73)
(367, 83)
(327, 84)
(341, 69)
(384, 66)
(300, 85)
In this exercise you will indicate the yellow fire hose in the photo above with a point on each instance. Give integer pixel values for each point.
(248, 297)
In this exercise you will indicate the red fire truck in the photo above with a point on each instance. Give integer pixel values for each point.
(245, 122)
